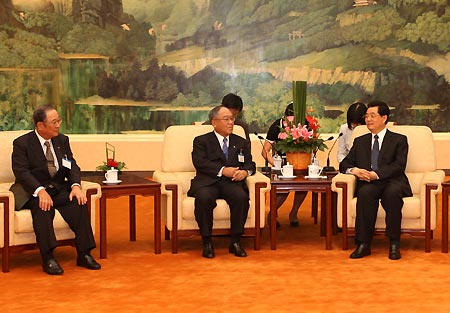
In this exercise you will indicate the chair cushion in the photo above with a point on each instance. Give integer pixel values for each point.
(23, 222)
(221, 211)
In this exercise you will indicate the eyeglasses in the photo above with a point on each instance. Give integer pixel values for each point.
(371, 115)
(226, 118)
(54, 122)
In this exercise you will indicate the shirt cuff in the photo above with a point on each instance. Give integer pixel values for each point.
(35, 193)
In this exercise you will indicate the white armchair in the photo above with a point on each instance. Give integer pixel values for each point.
(419, 212)
(175, 177)
(16, 227)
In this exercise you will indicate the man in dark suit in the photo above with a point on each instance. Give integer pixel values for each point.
(223, 161)
(378, 160)
(48, 178)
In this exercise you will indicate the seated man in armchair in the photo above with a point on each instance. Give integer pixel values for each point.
(223, 161)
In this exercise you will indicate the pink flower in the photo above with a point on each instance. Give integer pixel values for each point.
(290, 118)
(282, 136)
(305, 133)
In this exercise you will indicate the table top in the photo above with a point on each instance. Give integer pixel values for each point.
(126, 180)
(300, 179)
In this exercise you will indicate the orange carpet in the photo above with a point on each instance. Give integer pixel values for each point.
(300, 276)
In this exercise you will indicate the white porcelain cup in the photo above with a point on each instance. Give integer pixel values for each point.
(111, 175)
(314, 170)
(277, 161)
(287, 170)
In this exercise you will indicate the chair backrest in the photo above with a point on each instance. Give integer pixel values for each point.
(421, 154)
(420, 140)
(177, 146)
(6, 147)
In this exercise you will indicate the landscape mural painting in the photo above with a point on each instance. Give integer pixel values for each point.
(112, 66)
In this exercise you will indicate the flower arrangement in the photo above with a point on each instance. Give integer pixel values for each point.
(110, 160)
(300, 138)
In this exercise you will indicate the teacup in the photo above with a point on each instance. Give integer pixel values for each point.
(314, 171)
(287, 170)
(111, 175)
(277, 161)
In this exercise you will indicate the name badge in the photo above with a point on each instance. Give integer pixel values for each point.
(241, 158)
(67, 163)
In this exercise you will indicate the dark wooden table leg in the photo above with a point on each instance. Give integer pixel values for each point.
(132, 206)
(328, 244)
(103, 227)
(273, 218)
(444, 240)
(157, 221)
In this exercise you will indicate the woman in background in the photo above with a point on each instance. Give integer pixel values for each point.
(355, 117)
(267, 152)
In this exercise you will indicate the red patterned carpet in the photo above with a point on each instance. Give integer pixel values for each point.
(300, 276)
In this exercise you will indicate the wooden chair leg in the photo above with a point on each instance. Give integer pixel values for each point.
(5, 259)
(166, 233)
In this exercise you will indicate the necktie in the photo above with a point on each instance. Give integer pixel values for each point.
(50, 160)
(225, 147)
(375, 153)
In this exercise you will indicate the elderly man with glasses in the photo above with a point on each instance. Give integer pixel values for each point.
(223, 161)
(48, 178)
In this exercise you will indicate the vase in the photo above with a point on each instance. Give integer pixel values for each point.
(300, 161)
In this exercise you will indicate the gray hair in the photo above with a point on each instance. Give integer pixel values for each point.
(213, 113)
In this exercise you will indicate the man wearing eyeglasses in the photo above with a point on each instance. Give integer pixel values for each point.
(48, 178)
(378, 160)
(223, 161)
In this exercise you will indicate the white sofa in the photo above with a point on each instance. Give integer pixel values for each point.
(419, 211)
(16, 228)
(175, 177)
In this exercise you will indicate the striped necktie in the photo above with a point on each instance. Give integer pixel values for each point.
(225, 147)
(50, 160)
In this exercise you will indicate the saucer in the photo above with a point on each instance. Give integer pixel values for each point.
(112, 182)
(316, 177)
(287, 177)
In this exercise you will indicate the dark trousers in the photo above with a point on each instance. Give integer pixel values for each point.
(368, 197)
(233, 193)
(76, 216)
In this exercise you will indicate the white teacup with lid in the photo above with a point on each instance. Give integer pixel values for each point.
(112, 175)
(287, 170)
(277, 161)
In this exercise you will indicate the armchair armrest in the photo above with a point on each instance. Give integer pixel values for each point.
(435, 177)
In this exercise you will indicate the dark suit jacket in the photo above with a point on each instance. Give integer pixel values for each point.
(391, 160)
(208, 159)
(30, 166)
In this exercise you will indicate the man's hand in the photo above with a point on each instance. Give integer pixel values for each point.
(364, 174)
(239, 175)
(234, 173)
(79, 194)
(45, 201)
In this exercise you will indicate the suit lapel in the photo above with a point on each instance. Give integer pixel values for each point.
(57, 146)
(35, 145)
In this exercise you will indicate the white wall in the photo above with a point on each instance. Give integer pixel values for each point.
(143, 151)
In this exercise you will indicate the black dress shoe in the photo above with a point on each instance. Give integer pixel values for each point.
(52, 267)
(361, 251)
(88, 262)
(394, 252)
(294, 224)
(208, 250)
(237, 250)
